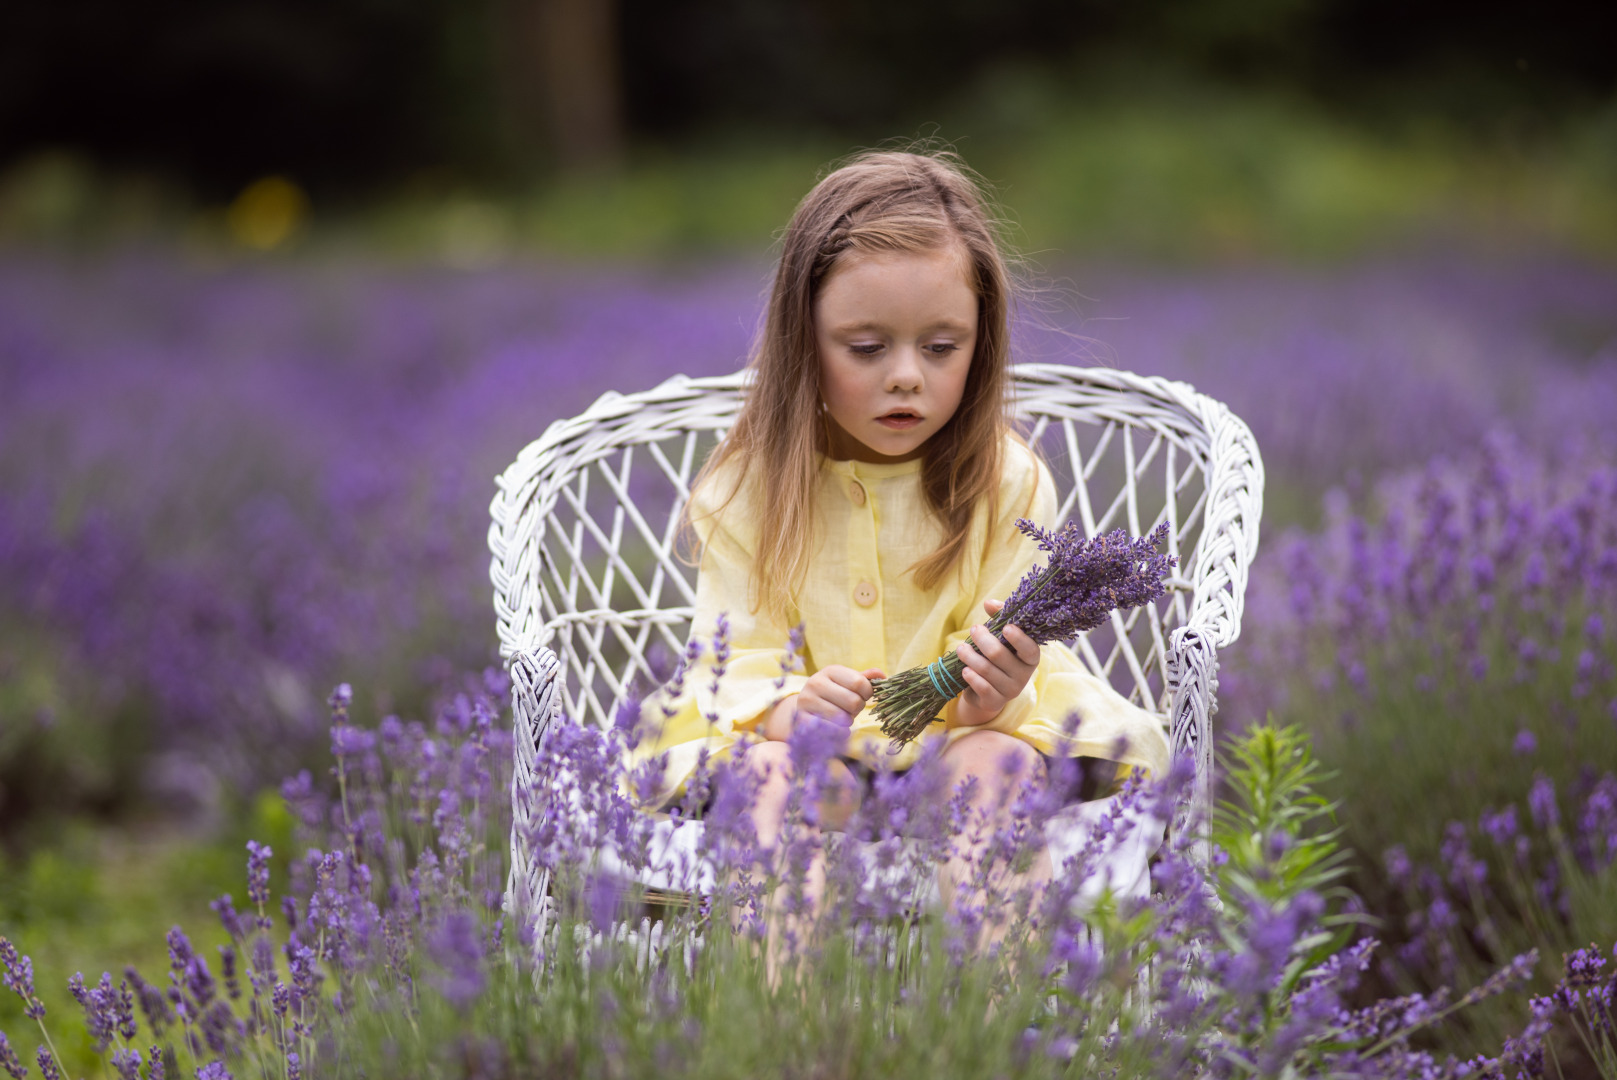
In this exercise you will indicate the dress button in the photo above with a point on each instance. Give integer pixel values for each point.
(856, 492)
(864, 594)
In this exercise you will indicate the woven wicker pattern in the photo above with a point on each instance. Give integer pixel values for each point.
(593, 600)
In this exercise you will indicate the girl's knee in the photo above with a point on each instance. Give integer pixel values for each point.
(994, 755)
(772, 758)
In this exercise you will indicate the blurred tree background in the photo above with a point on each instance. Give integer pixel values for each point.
(111, 113)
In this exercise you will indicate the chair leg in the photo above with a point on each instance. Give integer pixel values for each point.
(1193, 670)
(536, 697)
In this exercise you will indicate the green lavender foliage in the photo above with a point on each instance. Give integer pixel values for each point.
(1276, 833)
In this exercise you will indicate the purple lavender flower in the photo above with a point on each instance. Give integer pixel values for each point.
(225, 908)
(281, 999)
(1541, 801)
(9, 1061)
(456, 947)
(676, 684)
(47, 1064)
(227, 969)
(214, 1070)
(790, 660)
(1513, 974)
(221, 1029)
(721, 656)
(1500, 827)
(258, 877)
(127, 1061)
(159, 1066)
(1465, 870)
(1085, 580)
(306, 978)
(19, 978)
(108, 1012)
(153, 1005)
(1396, 861)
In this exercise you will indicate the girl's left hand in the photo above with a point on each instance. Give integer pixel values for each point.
(997, 673)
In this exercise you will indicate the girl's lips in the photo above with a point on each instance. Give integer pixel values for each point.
(898, 423)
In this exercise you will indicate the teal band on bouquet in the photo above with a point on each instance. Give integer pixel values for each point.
(941, 679)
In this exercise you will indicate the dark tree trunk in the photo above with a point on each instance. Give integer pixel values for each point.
(563, 58)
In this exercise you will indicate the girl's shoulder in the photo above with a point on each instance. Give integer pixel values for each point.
(1026, 488)
(723, 492)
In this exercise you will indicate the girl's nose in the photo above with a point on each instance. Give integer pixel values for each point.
(904, 373)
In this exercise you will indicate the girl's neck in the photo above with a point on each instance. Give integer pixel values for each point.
(840, 446)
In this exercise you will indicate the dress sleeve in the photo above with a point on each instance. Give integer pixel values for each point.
(759, 670)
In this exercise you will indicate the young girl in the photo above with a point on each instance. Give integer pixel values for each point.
(869, 491)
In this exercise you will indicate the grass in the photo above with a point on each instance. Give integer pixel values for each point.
(1174, 176)
(1162, 171)
(1410, 757)
(99, 899)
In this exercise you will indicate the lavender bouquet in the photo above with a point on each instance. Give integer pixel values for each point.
(1084, 580)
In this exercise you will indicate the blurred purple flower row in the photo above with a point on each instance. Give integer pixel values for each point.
(222, 488)
(1483, 569)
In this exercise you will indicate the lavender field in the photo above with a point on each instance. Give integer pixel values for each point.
(226, 489)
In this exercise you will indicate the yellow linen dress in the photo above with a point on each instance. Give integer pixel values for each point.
(860, 607)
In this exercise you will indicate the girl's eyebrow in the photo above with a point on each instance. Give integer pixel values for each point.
(873, 325)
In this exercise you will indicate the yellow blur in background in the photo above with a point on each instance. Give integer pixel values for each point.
(268, 213)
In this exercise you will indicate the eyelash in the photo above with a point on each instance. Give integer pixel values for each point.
(939, 350)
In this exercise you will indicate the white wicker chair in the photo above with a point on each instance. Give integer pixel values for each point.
(589, 588)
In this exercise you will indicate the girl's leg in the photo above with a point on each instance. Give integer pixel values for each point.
(981, 881)
(788, 914)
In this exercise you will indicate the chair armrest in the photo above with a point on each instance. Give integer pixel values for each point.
(1229, 540)
(1223, 561)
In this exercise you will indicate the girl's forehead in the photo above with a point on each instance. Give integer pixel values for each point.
(857, 272)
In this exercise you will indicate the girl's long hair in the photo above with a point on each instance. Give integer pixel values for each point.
(889, 201)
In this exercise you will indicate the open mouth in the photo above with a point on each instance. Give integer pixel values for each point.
(899, 418)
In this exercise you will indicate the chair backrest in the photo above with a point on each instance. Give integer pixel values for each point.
(586, 522)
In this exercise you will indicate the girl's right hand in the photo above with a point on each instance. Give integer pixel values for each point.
(835, 693)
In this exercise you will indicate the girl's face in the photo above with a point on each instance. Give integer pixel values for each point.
(895, 334)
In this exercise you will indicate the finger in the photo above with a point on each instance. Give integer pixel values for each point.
(842, 699)
(985, 667)
(993, 606)
(973, 658)
(1000, 655)
(853, 681)
(839, 717)
(849, 699)
(1025, 648)
(1010, 654)
(815, 709)
(987, 697)
(834, 724)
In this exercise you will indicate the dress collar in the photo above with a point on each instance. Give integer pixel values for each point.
(870, 470)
